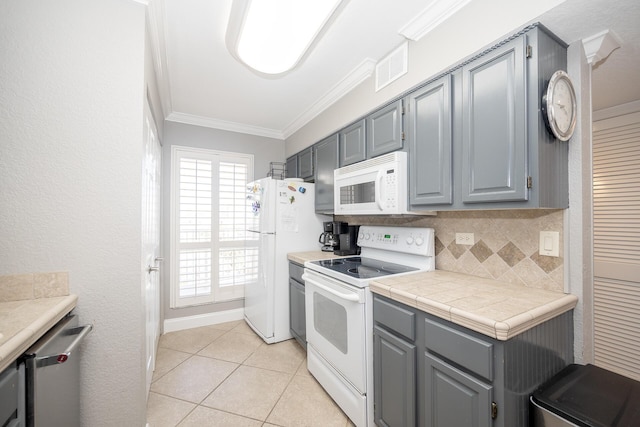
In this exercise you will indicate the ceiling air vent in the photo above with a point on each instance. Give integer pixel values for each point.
(392, 66)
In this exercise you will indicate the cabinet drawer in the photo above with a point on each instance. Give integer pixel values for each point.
(395, 318)
(465, 350)
(295, 271)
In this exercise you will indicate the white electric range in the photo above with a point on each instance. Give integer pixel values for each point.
(339, 313)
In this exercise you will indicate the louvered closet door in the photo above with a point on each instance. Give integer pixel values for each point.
(616, 244)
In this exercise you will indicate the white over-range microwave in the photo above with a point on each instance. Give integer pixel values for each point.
(376, 186)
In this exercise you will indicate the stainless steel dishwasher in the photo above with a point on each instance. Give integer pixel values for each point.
(52, 368)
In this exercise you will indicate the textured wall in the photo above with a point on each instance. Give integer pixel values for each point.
(71, 102)
(506, 244)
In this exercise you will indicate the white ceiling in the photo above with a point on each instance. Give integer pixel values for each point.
(201, 83)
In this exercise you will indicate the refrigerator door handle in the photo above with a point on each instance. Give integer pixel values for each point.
(54, 359)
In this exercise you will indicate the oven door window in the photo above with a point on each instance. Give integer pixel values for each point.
(330, 320)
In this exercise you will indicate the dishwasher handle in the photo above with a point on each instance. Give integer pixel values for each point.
(58, 358)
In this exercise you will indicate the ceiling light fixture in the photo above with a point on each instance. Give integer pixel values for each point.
(272, 36)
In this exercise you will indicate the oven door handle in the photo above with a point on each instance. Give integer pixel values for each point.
(347, 297)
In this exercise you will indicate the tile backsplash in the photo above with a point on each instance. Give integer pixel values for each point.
(505, 243)
(18, 287)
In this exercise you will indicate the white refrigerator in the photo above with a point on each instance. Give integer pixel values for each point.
(282, 218)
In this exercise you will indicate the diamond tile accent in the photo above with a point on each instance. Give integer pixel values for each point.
(546, 263)
(481, 251)
(456, 250)
(511, 254)
(438, 246)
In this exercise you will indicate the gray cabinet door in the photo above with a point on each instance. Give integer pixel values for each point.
(494, 139)
(384, 130)
(305, 164)
(292, 167)
(297, 321)
(326, 158)
(453, 397)
(394, 377)
(430, 139)
(353, 143)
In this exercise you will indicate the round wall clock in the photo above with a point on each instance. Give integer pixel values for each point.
(559, 107)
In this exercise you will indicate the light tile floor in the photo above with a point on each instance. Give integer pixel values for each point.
(225, 375)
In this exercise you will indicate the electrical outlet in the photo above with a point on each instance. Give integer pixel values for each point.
(464, 239)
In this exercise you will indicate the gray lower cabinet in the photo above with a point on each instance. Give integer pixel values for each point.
(385, 130)
(326, 161)
(12, 396)
(430, 372)
(453, 397)
(395, 380)
(297, 322)
(353, 147)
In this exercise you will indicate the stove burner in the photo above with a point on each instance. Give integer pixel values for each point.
(330, 262)
(363, 268)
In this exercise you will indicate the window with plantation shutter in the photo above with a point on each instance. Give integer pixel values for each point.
(212, 256)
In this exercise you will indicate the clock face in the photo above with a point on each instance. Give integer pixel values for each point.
(563, 105)
(559, 106)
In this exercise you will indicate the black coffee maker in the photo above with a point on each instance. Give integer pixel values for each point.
(348, 240)
(330, 238)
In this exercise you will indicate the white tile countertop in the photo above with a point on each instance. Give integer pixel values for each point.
(497, 309)
(30, 305)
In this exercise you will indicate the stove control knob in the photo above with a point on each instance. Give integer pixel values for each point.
(367, 236)
(410, 240)
(419, 241)
(360, 236)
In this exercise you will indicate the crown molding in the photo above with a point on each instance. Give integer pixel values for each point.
(435, 14)
(599, 46)
(191, 119)
(359, 74)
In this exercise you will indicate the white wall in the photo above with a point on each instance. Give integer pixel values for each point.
(264, 150)
(71, 98)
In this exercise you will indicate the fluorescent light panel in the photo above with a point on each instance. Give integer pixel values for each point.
(275, 34)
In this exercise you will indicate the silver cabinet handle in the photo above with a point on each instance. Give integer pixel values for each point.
(151, 269)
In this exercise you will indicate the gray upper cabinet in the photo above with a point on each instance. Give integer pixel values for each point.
(385, 130)
(476, 136)
(292, 167)
(494, 137)
(353, 146)
(305, 164)
(430, 141)
(326, 161)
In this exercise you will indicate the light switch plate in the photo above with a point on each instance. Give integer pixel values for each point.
(549, 243)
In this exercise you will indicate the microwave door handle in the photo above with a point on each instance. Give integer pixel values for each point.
(378, 190)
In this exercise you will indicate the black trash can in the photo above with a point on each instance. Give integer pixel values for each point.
(586, 396)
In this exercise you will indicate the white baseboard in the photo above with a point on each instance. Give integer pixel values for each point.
(181, 323)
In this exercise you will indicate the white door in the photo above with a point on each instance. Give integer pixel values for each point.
(151, 174)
